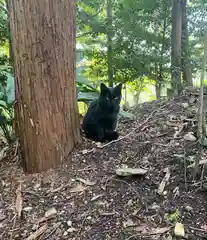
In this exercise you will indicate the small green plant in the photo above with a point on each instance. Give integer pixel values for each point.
(174, 216)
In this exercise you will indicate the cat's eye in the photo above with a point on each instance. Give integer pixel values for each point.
(114, 97)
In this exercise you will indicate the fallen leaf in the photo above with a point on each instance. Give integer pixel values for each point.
(19, 200)
(189, 208)
(204, 161)
(192, 100)
(85, 151)
(65, 233)
(27, 209)
(98, 144)
(143, 228)
(37, 233)
(50, 212)
(128, 223)
(69, 223)
(168, 236)
(155, 231)
(185, 105)
(71, 229)
(176, 191)
(180, 129)
(78, 188)
(164, 181)
(179, 230)
(96, 197)
(190, 137)
(86, 182)
(123, 172)
(58, 189)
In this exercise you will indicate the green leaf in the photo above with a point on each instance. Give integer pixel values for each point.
(3, 103)
(87, 96)
(10, 88)
(126, 114)
(81, 80)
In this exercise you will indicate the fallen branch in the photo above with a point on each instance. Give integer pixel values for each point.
(135, 129)
(197, 229)
(37, 233)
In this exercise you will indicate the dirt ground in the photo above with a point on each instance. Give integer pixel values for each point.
(85, 199)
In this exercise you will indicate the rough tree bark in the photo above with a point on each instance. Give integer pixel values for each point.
(109, 42)
(43, 42)
(176, 46)
(186, 66)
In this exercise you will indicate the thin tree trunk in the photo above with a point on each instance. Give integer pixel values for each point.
(43, 42)
(158, 85)
(158, 90)
(109, 42)
(125, 92)
(9, 35)
(139, 87)
(176, 46)
(186, 66)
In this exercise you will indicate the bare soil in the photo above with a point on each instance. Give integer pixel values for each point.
(84, 199)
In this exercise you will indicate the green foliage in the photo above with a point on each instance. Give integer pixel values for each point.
(6, 120)
(137, 31)
(141, 33)
(6, 104)
(141, 40)
(6, 78)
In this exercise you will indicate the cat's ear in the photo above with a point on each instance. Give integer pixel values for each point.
(118, 88)
(103, 88)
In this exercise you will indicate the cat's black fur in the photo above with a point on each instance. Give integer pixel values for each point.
(100, 121)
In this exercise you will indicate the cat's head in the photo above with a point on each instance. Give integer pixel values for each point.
(110, 98)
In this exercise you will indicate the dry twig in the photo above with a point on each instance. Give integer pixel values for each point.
(37, 233)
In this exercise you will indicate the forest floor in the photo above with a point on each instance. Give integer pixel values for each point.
(85, 199)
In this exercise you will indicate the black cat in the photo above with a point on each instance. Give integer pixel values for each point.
(100, 121)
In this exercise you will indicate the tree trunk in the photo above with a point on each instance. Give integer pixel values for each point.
(176, 46)
(139, 88)
(109, 42)
(43, 41)
(159, 81)
(186, 66)
(158, 90)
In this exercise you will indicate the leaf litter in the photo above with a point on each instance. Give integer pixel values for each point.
(85, 198)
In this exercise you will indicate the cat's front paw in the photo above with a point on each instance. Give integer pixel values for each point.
(115, 135)
(112, 136)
